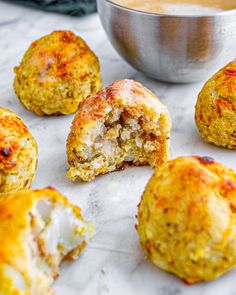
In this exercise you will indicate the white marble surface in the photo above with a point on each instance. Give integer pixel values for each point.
(113, 263)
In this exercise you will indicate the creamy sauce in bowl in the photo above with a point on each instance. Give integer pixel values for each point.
(179, 7)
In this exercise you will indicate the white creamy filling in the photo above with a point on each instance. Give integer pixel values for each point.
(62, 229)
(16, 276)
(110, 145)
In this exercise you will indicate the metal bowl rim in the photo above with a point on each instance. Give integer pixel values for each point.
(135, 11)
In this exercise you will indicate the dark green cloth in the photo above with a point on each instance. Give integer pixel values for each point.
(72, 7)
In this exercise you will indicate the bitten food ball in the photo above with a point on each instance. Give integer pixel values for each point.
(123, 125)
(57, 72)
(187, 218)
(18, 153)
(216, 108)
(38, 229)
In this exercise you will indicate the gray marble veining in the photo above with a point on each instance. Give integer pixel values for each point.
(113, 263)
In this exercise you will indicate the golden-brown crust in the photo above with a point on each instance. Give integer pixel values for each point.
(8, 145)
(186, 218)
(43, 58)
(216, 108)
(124, 92)
(18, 153)
(56, 73)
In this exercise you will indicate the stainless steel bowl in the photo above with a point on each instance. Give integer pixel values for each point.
(173, 48)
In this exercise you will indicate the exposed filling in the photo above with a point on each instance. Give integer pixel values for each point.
(126, 137)
(18, 280)
(56, 233)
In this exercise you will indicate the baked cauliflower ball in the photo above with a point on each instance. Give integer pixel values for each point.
(187, 218)
(38, 230)
(57, 72)
(216, 108)
(123, 125)
(18, 153)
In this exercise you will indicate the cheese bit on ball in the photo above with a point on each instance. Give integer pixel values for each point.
(187, 218)
(123, 125)
(57, 72)
(38, 230)
(18, 153)
(216, 108)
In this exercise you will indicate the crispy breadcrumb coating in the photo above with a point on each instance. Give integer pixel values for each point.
(57, 72)
(187, 218)
(216, 108)
(18, 153)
